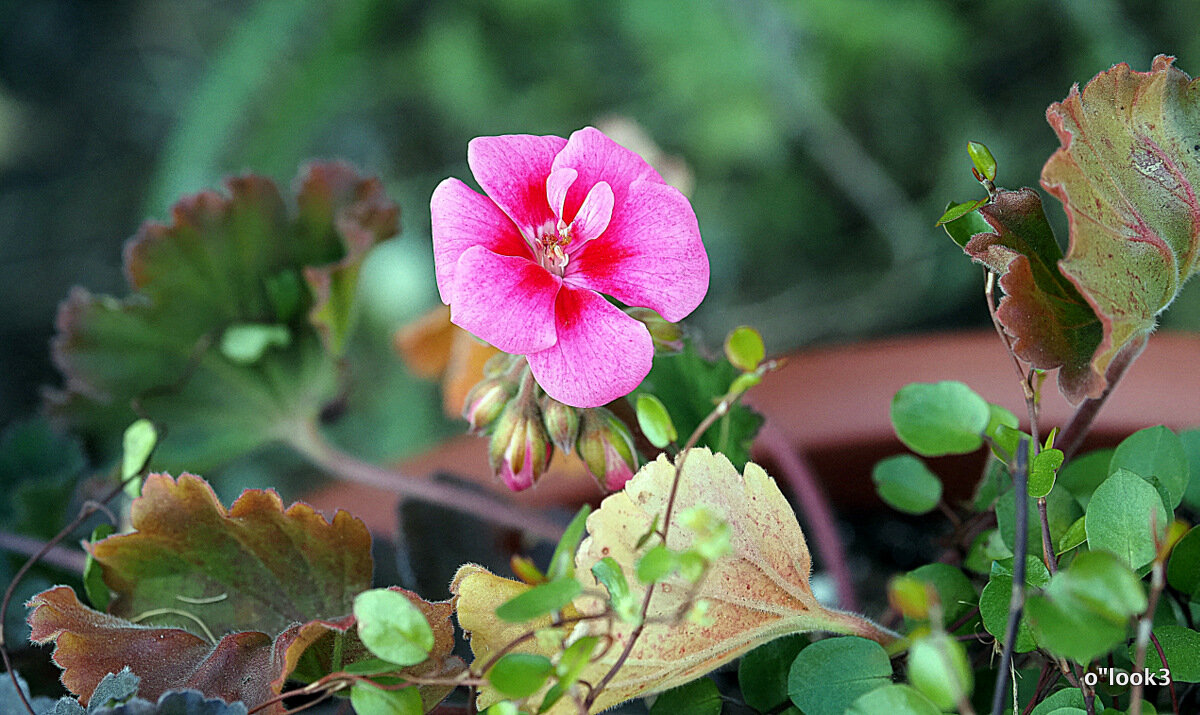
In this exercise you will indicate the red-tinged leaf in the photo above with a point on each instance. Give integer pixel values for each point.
(90, 644)
(239, 259)
(253, 567)
(1127, 174)
(1051, 324)
(306, 652)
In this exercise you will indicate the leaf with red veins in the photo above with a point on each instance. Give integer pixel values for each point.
(1051, 324)
(241, 258)
(306, 652)
(1127, 173)
(90, 644)
(253, 567)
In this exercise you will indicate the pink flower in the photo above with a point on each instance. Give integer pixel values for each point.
(563, 221)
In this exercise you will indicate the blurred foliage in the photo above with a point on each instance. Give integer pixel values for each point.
(822, 146)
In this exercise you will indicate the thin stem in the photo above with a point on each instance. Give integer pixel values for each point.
(1071, 438)
(309, 442)
(58, 556)
(1017, 601)
(810, 498)
(1047, 548)
(1162, 658)
(1145, 625)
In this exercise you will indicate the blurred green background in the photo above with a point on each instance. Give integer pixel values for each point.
(821, 138)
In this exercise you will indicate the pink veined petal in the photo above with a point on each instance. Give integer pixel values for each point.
(651, 256)
(460, 219)
(593, 216)
(557, 184)
(601, 353)
(506, 301)
(512, 170)
(598, 158)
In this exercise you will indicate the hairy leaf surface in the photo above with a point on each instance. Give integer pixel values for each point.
(757, 592)
(241, 261)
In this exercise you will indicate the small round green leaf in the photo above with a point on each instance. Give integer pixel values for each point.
(1181, 646)
(829, 675)
(1084, 473)
(519, 675)
(655, 421)
(1124, 516)
(954, 589)
(954, 212)
(906, 484)
(1042, 472)
(744, 348)
(1065, 698)
(1183, 570)
(983, 160)
(965, 222)
(137, 444)
(1191, 446)
(1075, 535)
(656, 563)
(934, 419)
(540, 600)
(391, 627)
(938, 667)
(367, 699)
(1155, 452)
(763, 672)
(893, 699)
(699, 697)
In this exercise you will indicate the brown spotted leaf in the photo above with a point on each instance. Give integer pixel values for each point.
(253, 567)
(1127, 173)
(756, 593)
(227, 266)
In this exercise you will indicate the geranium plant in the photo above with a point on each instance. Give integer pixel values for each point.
(1070, 582)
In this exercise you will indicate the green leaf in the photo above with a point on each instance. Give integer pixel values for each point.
(983, 160)
(114, 689)
(690, 383)
(699, 697)
(1001, 417)
(1127, 175)
(954, 589)
(562, 563)
(540, 600)
(962, 221)
(1086, 608)
(1042, 472)
(212, 268)
(1051, 324)
(610, 574)
(1183, 570)
(763, 672)
(1181, 646)
(656, 564)
(137, 445)
(1061, 512)
(956, 212)
(1075, 535)
(906, 484)
(1190, 439)
(504, 707)
(1155, 452)
(744, 348)
(655, 421)
(1065, 698)
(893, 699)
(392, 627)
(245, 343)
(1084, 473)
(519, 675)
(938, 667)
(933, 419)
(367, 699)
(997, 595)
(829, 675)
(38, 471)
(1125, 516)
(93, 575)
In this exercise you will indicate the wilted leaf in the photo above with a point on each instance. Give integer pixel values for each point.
(756, 593)
(224, 261)
(253, 567)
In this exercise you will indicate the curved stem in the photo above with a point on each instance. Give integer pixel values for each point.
(1072, 436)
(1017, 601)
(309, 442)
(58, 556)
(812, 503)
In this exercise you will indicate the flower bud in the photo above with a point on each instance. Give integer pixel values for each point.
(520, 449)
(606, 447)
(486, 402)
(667, 336)
(562, 423)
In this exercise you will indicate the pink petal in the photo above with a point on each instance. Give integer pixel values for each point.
(594, 215)
(601, 353)
(557, 184)
(512, 169)
(651, 255)
(598, 158)
(461, 218)
(507, 301)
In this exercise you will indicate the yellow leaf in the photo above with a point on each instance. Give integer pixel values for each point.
(756, 592)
